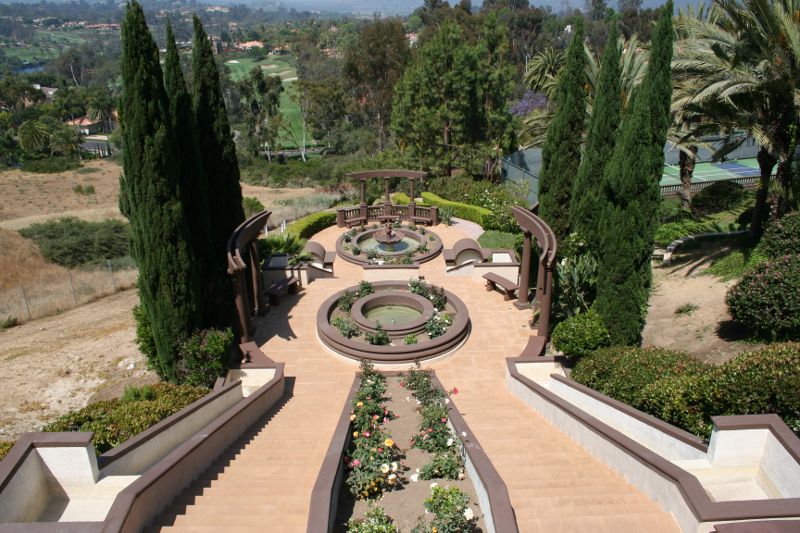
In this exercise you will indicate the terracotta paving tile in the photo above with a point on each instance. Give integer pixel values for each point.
(554, 484)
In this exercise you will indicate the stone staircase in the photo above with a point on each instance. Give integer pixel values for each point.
(262, 483)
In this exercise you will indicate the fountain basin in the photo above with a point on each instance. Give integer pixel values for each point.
(392, 293)
(408, 242)
(364, 310)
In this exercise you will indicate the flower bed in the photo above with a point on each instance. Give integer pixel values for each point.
(441, 323)
(421, 488)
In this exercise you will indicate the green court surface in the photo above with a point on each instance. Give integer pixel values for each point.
(741, 168)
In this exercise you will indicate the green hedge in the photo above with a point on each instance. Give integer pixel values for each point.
(682, 391)
(783, 236)
(306, 227)
(400, 198)
(115, 421)
(767, 299)
(466, 211)
(624, 372)
(718, 197)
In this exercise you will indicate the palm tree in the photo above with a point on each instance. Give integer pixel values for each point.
(101, 108)
(739, 66)
(65, 141)
(33, 136)
(543, 72)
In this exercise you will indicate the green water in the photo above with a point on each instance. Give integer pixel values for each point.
(392, 314)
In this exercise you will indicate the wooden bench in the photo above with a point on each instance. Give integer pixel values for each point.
(534, 348)
(494, 282)
(291, 285)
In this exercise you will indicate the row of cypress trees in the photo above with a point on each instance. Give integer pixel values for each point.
(609, 192)
(179, 189)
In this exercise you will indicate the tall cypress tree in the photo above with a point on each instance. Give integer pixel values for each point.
(149, 196)
(629, 219)
(587, 191)
(561, 153)
(192, 180)
(221, 169)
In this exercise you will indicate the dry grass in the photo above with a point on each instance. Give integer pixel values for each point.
(30, 197)
(48, 288)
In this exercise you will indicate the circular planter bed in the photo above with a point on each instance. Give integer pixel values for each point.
(361, 246)
(387, 322)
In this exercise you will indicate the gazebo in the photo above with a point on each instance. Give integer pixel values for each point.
(386, 212)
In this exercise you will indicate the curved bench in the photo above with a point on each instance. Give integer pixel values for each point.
(317, 251)
(469, 246)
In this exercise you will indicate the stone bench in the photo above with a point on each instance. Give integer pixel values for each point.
(290, 285)
(506, 286)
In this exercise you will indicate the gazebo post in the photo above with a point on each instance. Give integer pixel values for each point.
(362, 206)
(242, 304)
(388, 200)
(546, 301)
(412, 205)
(525, 274)
(255, 267)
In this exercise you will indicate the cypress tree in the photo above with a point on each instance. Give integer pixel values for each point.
(192, 180)
(587, 191)
(149, 196)
(629, 219)
(221, 169)
(561, 153)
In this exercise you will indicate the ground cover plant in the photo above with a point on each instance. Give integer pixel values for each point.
(687, 393)
(115, 421)
(72, 242)
(580, 335)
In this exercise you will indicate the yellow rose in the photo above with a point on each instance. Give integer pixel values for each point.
(360, 404)
(352, 417)
(355, 434)
(388, 443)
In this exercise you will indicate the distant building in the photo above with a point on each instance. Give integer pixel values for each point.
(249, 45)
(49, 92)
(85, 126)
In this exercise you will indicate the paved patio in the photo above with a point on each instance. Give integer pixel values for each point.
(554, 484)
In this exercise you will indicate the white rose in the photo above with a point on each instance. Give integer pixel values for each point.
(468, 514)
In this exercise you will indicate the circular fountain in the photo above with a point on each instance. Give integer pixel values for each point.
(392, 308)
(388, 244)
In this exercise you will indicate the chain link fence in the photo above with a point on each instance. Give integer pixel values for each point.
(55, 294)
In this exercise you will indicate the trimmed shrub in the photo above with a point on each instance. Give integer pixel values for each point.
(51, 164)
(251, 206)
(682, 401)
(466, 211)
(623, 372)
(307, 226)
(768, 299)
(763, 381)
(580, 334)
(5, 447)
(204, 357)
(115, 421)
(72, 242)
(783, 236)
(720, 196)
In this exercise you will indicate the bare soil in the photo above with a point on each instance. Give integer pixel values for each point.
(405, 504)
(57, 364)
(708, 332)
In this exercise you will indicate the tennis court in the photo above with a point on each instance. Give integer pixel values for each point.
(708, 172)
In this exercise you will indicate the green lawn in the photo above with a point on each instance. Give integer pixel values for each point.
(274, 66)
